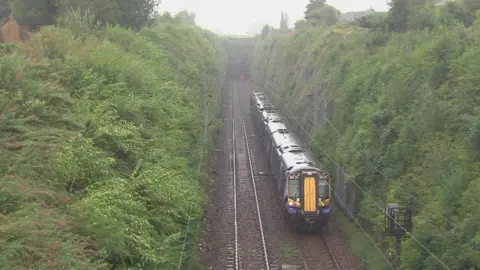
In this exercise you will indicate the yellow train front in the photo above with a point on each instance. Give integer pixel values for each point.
(307, 199)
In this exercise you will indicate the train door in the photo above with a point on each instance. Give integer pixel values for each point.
(266, 137)
(252, 102)
(282, 178)
(258, 116)
(273, 153)
(268, 146)
(309, 193)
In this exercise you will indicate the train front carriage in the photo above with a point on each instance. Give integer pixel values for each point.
(306, 193)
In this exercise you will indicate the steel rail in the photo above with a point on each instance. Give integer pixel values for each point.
(262, 235)
(331, 253)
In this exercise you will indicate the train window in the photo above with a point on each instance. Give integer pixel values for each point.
(293, 188)
(322, 189)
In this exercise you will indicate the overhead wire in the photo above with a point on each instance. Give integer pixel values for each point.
(350, 213)
(364, 231)
(370, 164)
(358, 186)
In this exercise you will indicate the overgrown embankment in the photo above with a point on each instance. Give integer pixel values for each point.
(101, 134)
(405, 103)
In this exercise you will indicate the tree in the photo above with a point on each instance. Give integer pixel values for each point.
(133, 14)
(166, 17)
(282, 18)
(265, 31)
(33, 7)
(312, 6)
(472, 5)
(106, 11)
(299, 24)
(4, 9)
(284, 21)
(137, 13)
(401, 12)
(185, 17)
(323, 14)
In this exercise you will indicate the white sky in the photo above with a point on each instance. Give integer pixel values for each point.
(235, 17)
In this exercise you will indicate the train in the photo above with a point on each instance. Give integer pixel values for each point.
(304, 187)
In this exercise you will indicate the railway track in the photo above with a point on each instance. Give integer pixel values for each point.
(245, 228)
(248, 249)
(325, 259)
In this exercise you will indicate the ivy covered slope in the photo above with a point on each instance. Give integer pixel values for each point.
(405, 102)
(101, 134)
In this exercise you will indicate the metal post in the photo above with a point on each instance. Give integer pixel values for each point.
(398, 223)
(206, 121)
(398, 252)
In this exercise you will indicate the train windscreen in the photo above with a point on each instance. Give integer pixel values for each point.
(322, 189)
(294, 188)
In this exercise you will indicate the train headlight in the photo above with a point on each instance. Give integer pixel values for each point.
(324, 203)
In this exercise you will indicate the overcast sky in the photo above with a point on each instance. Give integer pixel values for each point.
(235, 17)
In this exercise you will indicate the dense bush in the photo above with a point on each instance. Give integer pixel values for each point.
(405, 103)
(102, 135)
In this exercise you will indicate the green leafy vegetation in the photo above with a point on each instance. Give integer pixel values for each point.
(102, 133)
(405, 90)
(4, 9)
(133, 14)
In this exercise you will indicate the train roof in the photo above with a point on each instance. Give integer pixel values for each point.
(291, 147)
(259, 96)
(274, 118)
(280, 139)
(267, 113)
(277, 127)
(293, 153)
(259, 102)
(297, 161)
(267, 105)
(306, 150)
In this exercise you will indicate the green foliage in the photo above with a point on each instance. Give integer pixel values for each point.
(133, 14)
(320, 13)
(312, 6)
(102, 137)
(4, 9)
(185, 17)
(284, 25)
(405, 103)
(33, 7)
(373, 21)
